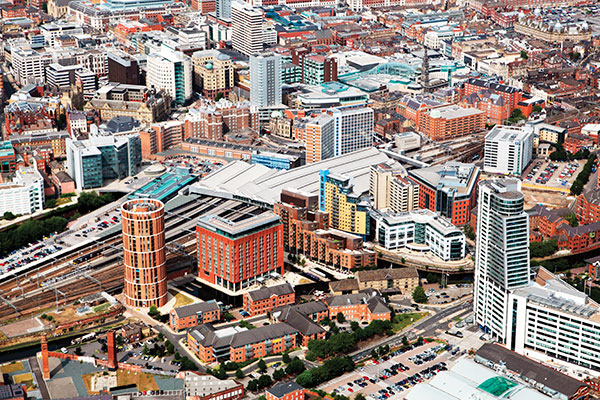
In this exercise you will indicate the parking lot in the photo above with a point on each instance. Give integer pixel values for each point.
(391, 376)
(437, 295)
(36, 251)
(557, 174)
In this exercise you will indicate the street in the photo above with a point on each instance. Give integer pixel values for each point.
(428, 325)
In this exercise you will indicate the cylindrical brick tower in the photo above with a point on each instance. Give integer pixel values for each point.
(144, 252)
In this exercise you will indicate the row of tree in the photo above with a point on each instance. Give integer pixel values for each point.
(560, 154)
(543, 249)
(330, 369)
(583, 176)
(344, 342)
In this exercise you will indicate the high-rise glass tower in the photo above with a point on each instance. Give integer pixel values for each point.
(502, 255)
(223, 9)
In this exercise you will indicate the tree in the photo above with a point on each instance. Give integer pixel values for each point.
(524, 55)
(239, 373)
(340, 318)
(262, 365)
(160, 337)
(187, 364)
(374, 354)
(306, 379)
(278, 374)
(286, 358)
(360, 396)
(404, 341)
(354, 326)
(537, 108)
(419, 295)
(264, 381)
(252, 385)
(296, 366)
(78, 351)
(572, 220)
(170, 347)
(262, 397)
(310, 356)
(543, 249)
(469, 232)
(177, 356)
(9, 216)
(153, 311)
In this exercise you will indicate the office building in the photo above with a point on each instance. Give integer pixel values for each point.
(508, 150)
(289, 390)
(144, 253)
(100, 158)
(8, 161)
(171, 71)
(348, 210)
(213, 73)
(353, 129)
(448, 189)
(136, 101)
(238, 344)
(123, 68)
(29, 66)
(62, 77)
(223, 9)
(365, 306)
(267, 298)
(247, 28)
(25, 194)
(265, 82)
(184, 317)
(234, 255)
(502, 253)
(404, 195)
(52, 30)
(199, 386)
(420, 231)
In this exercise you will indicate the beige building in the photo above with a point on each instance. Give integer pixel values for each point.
(403, 280)
(58, 8)
(381, 177)
(145, 105)
(404, 195)
(213, 72)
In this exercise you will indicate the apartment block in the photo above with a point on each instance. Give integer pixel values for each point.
(348, 211)
(265, 299)
(247, 28)
(305, 317)
(390, 280)
(184, 317)
(448, 189)
(234, 255)
(508, 150)
(171, 71)
(318, 134)
(420, 231)
(587, 207)
(381, 179)
(511, 95)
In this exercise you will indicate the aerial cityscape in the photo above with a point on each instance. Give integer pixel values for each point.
(300, 200)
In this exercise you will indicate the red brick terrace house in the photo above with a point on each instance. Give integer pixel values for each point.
(285, 391)
(194, 314)
(266, 299)
(366, 305)
(587, 207)
(551, 224)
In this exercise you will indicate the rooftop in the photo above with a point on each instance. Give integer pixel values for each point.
(512, 134)
(455, 178)
(283, 388)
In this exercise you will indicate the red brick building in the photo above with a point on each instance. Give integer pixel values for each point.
(233, 255)
(366, 305)
(305, 317)
(240, 344)
(450, 189)
(306, 231)
(181, 318)
(575, 142)
(587, 207)
(266, 299)
(446, 122)
(511, 95)
(289, 390)
(161, 136)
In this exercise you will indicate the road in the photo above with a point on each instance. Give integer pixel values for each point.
(428, 325)
(35, 368)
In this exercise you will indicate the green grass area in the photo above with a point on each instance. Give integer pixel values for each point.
(401, 321)
(101, 307)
